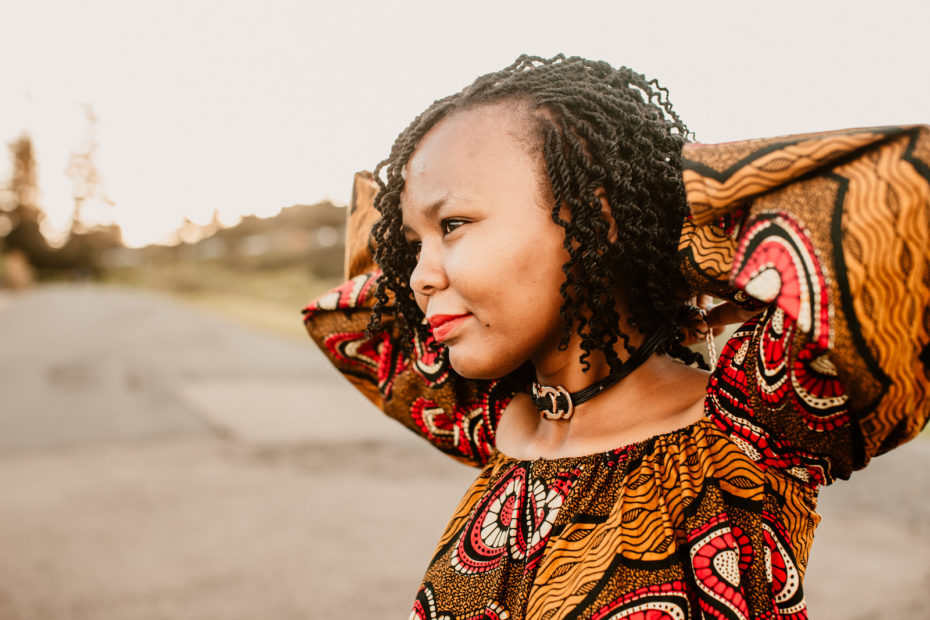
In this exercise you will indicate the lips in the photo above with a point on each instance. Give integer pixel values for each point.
(445, 325)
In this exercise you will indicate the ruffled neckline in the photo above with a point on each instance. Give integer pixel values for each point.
(636, 446)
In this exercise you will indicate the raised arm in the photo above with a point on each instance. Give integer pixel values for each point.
(416, 386)
(829, 234)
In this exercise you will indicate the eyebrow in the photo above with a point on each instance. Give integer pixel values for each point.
(430, 211)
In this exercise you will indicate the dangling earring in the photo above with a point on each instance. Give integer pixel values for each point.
(709, 339)
(711, 348)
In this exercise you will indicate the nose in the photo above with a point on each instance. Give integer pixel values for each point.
(429, 275)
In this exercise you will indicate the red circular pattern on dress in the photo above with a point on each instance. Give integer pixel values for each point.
(429, 361)
(818, 392)
(716, 558)
(806, 385)
(486, 536)
(511, 519)
(355, 350)
(776, 262)
(783, 573)
(667, 601)
(809, 380)
(432, 420)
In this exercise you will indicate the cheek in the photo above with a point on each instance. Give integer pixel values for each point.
(511, 282)
(487, 274)
(539, 264)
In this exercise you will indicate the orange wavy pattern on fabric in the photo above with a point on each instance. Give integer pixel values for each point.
(885, 233)
(798, 515)
(654, 496)
(887, 240)
(463, 510)
(360, 217)
(708, 248)
(710, 197)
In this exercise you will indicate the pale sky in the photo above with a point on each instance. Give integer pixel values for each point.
(251, 106)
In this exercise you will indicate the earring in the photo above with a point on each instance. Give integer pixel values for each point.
(709, 339)
(711, 349)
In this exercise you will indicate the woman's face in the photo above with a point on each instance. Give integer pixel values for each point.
(490, 257)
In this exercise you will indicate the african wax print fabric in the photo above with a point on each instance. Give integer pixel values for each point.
(827, 235)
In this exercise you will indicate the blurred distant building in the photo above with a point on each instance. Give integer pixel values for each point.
(310, 235)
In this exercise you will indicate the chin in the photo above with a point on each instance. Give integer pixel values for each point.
(480, 366)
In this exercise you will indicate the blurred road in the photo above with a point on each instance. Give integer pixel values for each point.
(158, 462)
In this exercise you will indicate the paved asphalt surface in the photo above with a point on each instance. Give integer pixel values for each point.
(157, 462)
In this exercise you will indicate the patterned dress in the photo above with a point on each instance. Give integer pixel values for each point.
(827, 235)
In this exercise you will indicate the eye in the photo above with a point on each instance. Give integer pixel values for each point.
(413, 247)
(449, 224)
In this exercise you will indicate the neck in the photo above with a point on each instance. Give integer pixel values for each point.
(661, 396)
(557, 403)
(563, 368)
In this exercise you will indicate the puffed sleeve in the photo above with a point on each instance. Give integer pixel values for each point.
(828, 235)
(415, 385)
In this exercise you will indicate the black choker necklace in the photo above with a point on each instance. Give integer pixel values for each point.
(556, 403)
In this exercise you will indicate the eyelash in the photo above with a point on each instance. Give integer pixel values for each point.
(448, 226)
(444, 224)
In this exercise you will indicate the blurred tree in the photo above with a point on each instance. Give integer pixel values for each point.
(88, 240)
(87, 184)
(19, 210)
(21, 216)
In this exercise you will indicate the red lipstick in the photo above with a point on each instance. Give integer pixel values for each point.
(444, 325)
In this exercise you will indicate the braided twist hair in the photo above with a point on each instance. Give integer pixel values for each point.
(598, 127)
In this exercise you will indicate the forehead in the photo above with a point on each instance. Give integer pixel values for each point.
(473, 152)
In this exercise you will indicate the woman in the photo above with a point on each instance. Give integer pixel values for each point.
(539, 243)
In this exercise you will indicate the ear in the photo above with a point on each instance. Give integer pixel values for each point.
(601, 194)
